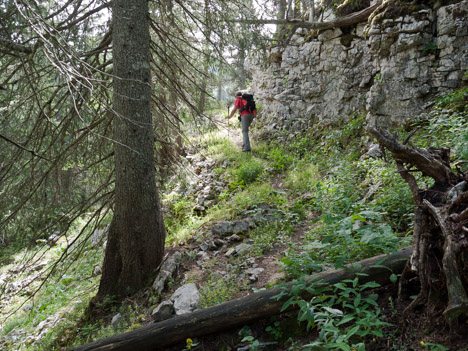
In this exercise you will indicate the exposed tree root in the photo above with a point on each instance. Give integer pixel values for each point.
(439, 240)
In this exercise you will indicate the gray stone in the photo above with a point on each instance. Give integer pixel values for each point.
(99, 236)
(253, 273)
(186, 299)
(28, 307)
(330, 34)
(116, 319)
(243, 249)
(163, 311)
(97, 270)
(222, 228)
(168, 269)
(233, 238)
(374, 151)
(226, 228)
(44, 327)
(239, 250)
(53, 239)
(230, 252)
(219, 242)
(13, 286)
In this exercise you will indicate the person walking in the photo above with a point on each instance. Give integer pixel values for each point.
(246, 105)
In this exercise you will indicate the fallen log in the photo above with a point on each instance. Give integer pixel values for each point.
(241, 311)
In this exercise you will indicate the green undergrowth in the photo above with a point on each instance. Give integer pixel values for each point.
(62, 298)
(348, 205)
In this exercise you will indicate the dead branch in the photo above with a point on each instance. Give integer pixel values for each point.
(340, 22)
(32, 152)
(413, 185)
(460, 217)
(431, 162)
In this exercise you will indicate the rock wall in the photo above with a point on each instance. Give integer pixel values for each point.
(389, 70)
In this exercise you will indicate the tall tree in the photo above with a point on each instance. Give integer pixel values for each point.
(136, 235)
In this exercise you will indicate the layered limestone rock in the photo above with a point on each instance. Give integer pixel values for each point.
(389, 70)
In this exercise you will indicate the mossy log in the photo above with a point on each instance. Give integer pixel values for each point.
(158, 336)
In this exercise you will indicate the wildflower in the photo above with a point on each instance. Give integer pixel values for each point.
(422, 343)
(189, 343)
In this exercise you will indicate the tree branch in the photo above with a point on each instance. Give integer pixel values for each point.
(429, 162)
(10, 45)
(22, 147)
(340, 22)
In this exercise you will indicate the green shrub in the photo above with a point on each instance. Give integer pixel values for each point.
(249, 171)
(447, 125)
(279, 158)
(387, 193)
(258, 193)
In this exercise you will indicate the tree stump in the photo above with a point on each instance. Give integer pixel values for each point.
(440, 239)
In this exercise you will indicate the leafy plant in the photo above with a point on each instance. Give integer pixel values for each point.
(279, 158)
(433, 347)
(249, 171)
(246, 334)
(360, 234)
(344, 314)
(275, 330)
(430, 48)
(378, 77)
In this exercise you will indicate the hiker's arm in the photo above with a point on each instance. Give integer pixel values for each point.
(233, 111)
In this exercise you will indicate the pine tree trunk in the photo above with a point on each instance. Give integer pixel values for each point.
(281, 14)
(136, 235)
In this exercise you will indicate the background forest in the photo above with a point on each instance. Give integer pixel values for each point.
(116, 155)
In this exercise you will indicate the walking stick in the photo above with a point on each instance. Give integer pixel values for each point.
(228, 119)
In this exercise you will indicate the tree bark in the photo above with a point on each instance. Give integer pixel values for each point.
(238, 312)
(136, 235)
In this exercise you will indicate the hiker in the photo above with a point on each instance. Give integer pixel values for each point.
(246, 105)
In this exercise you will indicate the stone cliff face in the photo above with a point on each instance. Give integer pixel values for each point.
(390, 71)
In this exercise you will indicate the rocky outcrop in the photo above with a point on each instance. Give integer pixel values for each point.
(185, 300)
(168, 270)
(389, 70)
